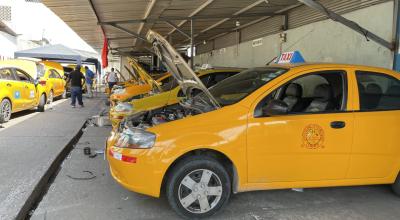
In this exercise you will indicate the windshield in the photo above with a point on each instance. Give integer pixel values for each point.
(236, 88)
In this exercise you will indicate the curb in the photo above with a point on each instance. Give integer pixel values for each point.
(45, 181)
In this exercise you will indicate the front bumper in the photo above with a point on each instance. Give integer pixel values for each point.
(134, 169)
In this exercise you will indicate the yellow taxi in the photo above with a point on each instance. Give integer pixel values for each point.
(171, 93)
(52, 78)
(144, 85)
(275, 127)
(18, 91)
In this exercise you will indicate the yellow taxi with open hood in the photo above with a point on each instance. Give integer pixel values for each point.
(145, 84)
(170, 95)
(274, 127)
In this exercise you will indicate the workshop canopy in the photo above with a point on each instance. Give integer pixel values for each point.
(58, 52)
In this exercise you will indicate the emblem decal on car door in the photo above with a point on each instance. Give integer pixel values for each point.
(313, 137)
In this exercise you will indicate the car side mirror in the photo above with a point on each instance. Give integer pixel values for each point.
(275, 107)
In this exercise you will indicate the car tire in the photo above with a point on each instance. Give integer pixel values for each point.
(185, 187)
(5, 110)
(42, 103)
(396, 186)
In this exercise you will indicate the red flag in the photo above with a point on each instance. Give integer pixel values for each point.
(104, 53)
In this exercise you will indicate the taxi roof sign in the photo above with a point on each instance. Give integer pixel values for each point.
(290, 57)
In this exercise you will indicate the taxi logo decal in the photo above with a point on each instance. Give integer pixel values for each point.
(17, 94)
(313, 137)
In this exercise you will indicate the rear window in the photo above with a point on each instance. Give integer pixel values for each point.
(40, 70)
(6, 74)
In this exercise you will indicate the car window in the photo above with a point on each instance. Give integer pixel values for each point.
(54, 74)
(317, 92)
(239, 86)
(57, 74)
(6, 74)
(168, 83)
(218, 77)
(41, 70)
(378, 91)
(22, 76)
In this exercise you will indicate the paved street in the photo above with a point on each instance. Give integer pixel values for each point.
(29, 146)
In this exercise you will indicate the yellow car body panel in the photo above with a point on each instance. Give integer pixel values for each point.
(53, 78)
(33, 69)
(146, 84)
(269, 152)
(159, 100)
(23, 95)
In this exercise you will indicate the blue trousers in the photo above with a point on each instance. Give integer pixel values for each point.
(76, 93)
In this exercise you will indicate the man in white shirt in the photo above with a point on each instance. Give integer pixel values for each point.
(111, 78)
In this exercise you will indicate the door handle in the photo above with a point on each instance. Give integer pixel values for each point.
(338, 124)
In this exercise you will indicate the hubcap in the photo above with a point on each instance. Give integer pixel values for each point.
(200, 191)
(6, 110)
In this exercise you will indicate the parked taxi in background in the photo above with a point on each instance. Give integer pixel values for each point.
(145, 84)
(275, 127)
(18, 89)
(171, 93)
(52, 78)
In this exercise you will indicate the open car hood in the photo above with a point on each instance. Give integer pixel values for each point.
(144, 76)
(180, 70)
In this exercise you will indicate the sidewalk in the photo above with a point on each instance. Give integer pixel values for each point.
(30, 148)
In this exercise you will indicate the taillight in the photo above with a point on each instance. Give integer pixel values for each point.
(42, 82)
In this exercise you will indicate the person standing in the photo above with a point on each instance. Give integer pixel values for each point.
(111, 79)
(76, 77)
(89, 81)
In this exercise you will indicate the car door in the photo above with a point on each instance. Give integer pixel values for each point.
(52, 82)
(376, 151)
(312, 141)
(60, 81)
(28, 90)
(10, 83)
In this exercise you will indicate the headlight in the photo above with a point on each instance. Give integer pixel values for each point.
(136, 138)
(115, 87)
(119, 91)
(123, 107)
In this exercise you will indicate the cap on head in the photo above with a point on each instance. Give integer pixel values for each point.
(86, 67)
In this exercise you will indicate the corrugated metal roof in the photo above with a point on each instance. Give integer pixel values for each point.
(80, 16)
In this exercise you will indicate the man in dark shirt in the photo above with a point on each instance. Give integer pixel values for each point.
(76, 78)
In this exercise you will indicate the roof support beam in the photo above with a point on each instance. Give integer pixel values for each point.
(147, 13)
(177, 28)
(177, 18)
(238, 13)
(348, 23)
(196, 11)
(118, 38)
(128, 32)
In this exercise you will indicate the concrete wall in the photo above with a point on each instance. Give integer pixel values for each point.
(324, 41)
(8, 45)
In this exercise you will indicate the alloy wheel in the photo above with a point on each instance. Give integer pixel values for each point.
(200, 191)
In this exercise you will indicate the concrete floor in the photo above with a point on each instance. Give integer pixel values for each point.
(29, 144)
(103, 198)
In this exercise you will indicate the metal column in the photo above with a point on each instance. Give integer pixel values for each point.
(191, 45)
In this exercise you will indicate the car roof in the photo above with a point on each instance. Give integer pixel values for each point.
(218, 70)
(327, 65)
